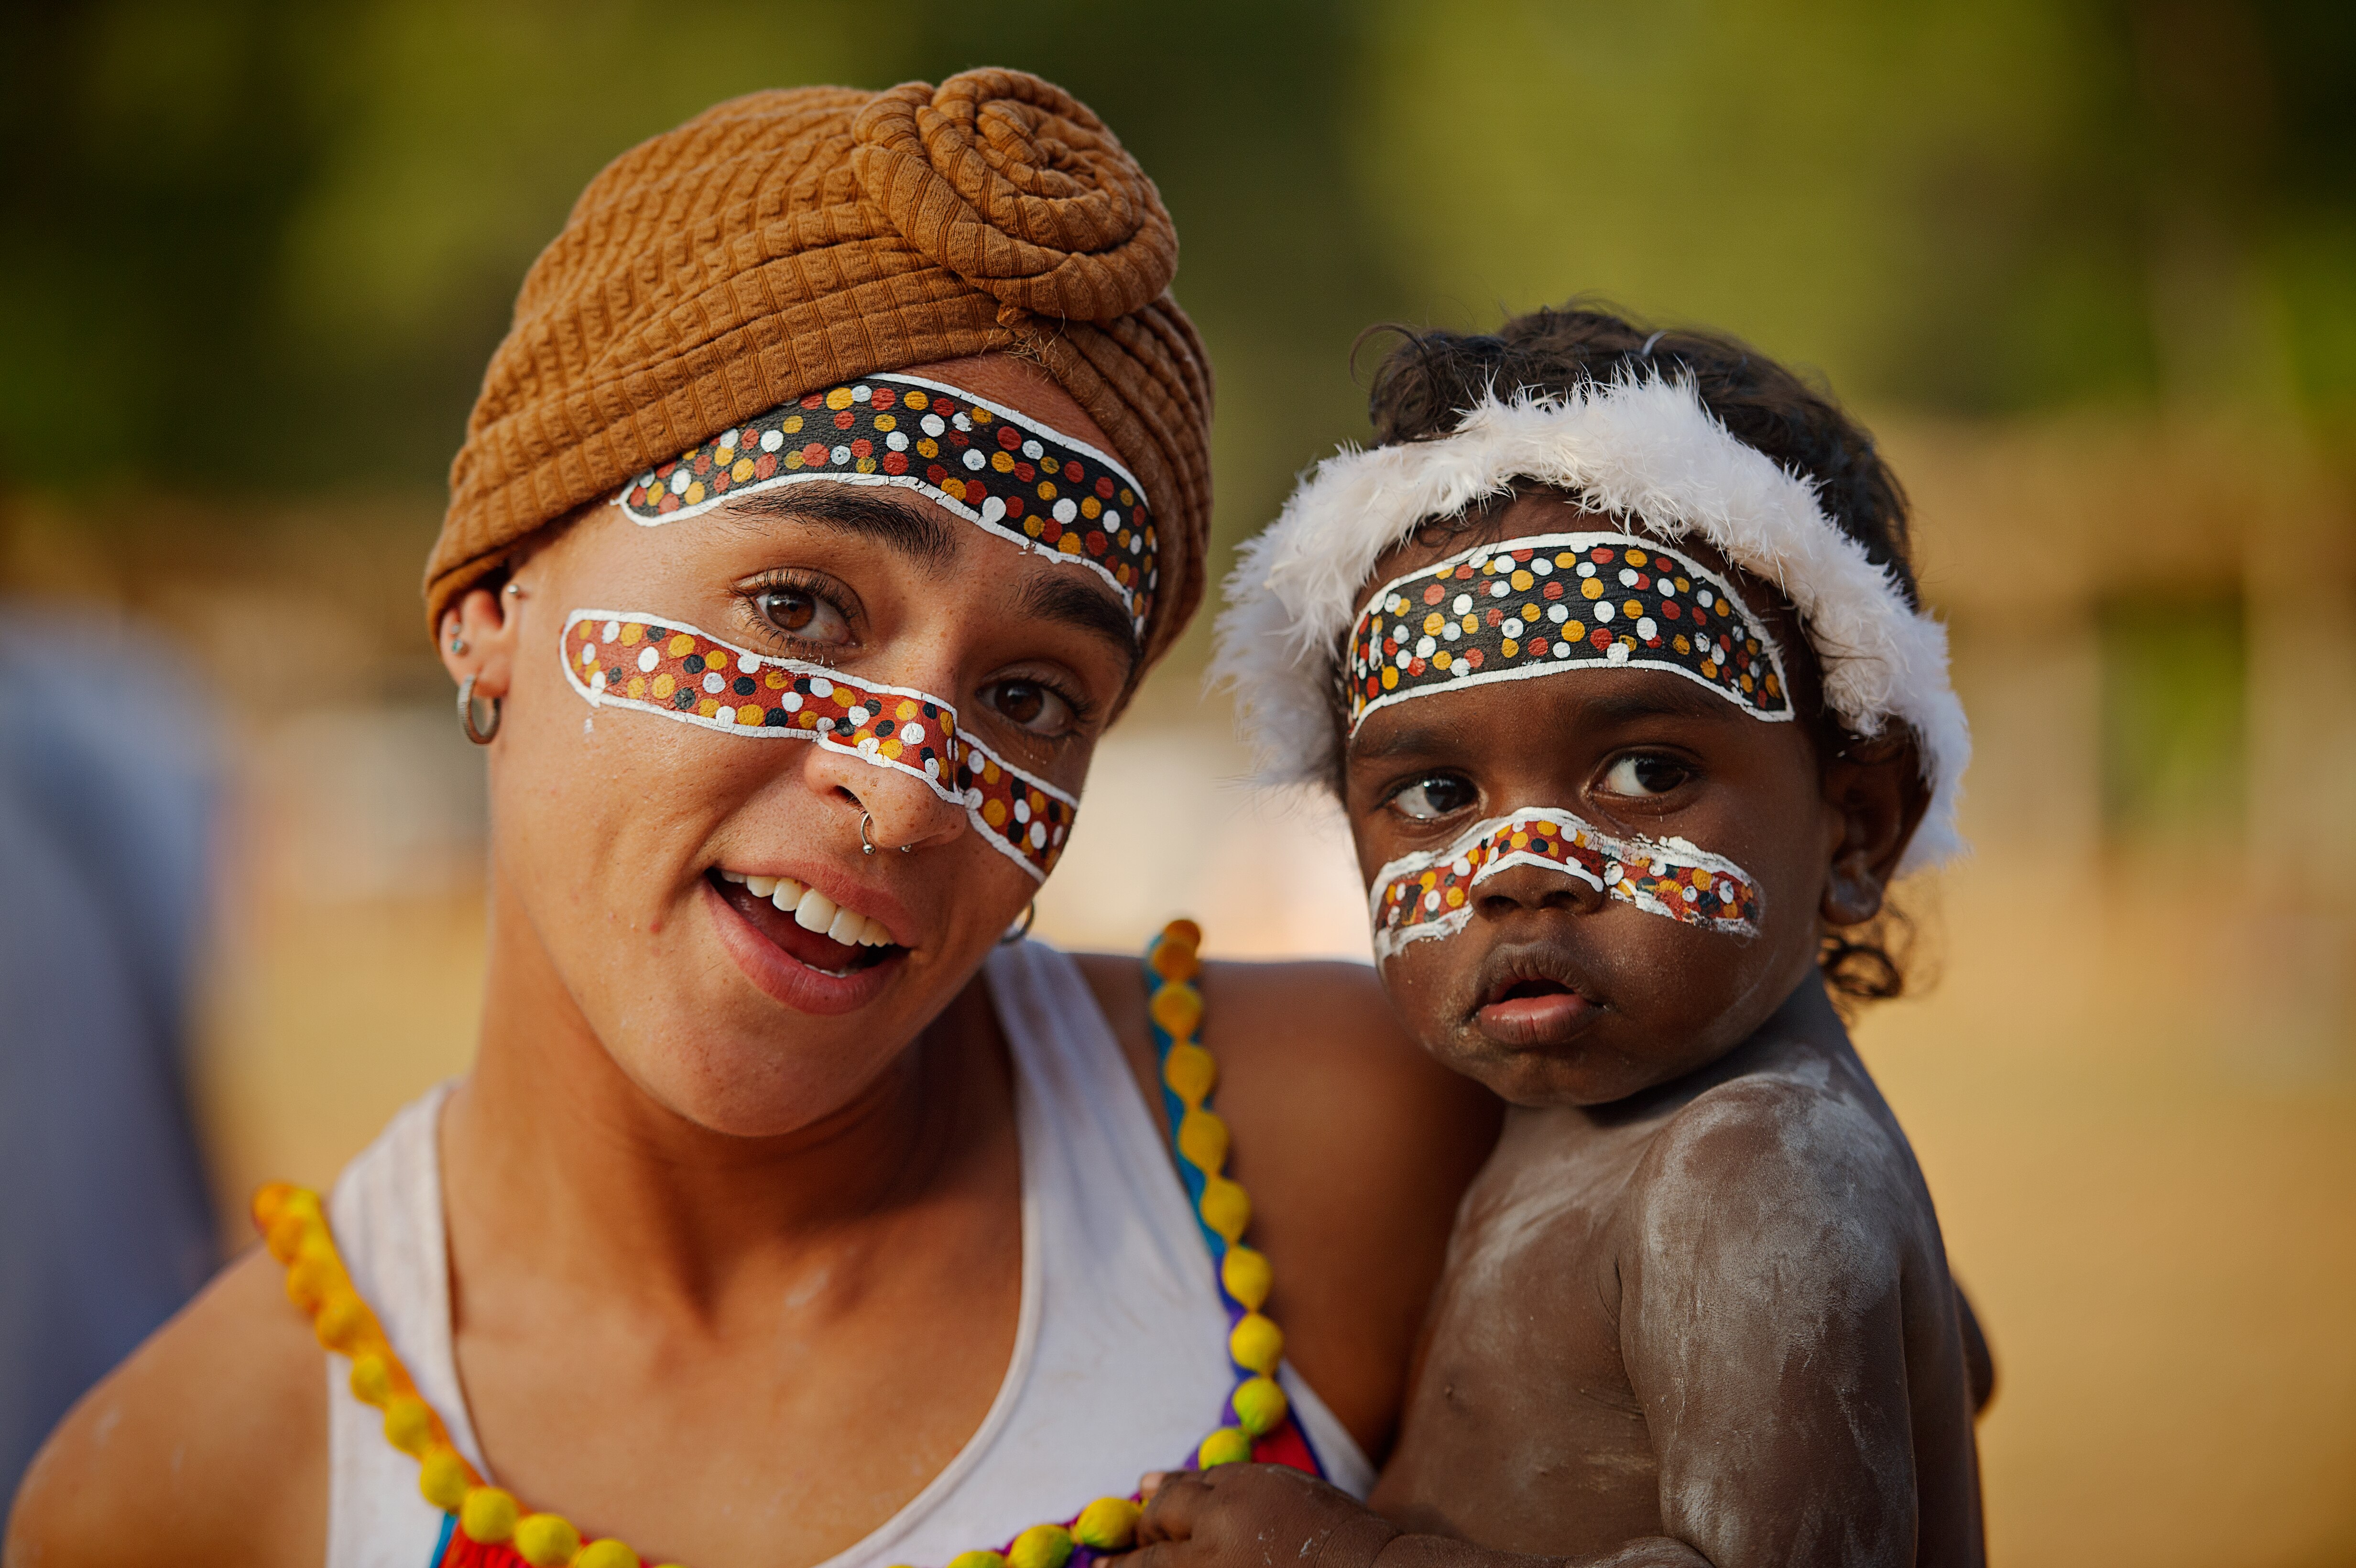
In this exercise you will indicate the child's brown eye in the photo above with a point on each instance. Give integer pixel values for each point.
(1034, 706)
(1642, 776)
(803, 615)
(1442, 795)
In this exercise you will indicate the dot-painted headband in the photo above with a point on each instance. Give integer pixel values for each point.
(1431, 894)
(1549, 603)
(627, 658)
(1050, 493)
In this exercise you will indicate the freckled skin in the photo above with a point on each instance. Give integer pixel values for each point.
(1696, 1307)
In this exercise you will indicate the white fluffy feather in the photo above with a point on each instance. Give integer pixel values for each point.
(1644, 449)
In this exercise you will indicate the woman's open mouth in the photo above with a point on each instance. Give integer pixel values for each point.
(805, 923)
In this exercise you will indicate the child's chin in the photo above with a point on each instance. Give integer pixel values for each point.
(1583, 1073)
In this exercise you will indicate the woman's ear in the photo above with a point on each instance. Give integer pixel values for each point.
(1878, 790)
(479, 637)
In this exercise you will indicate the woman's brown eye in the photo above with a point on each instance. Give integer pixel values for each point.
(803, 615)
(1032, 705)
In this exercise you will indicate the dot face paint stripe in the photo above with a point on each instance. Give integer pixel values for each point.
(630, 658)
(1052, 493)
(1430, 894)
(1548, 602)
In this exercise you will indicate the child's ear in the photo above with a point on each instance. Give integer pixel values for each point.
(1876, 787)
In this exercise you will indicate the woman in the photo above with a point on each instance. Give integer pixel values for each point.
(788, 1215)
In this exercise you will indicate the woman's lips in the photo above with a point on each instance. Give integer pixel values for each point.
(807, 972)
(1543, 1017)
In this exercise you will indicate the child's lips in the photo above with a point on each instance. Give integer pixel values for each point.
(1549, 1017)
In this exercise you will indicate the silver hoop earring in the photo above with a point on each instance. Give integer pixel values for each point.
(466, 714)
(1015, 933)
(866, 844)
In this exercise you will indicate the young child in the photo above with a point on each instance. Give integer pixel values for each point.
(1612, 647)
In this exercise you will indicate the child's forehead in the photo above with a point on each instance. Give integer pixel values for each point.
(1543, 512)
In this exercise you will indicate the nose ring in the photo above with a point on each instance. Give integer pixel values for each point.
(867, 841)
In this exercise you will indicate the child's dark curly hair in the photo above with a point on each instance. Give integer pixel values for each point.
(1430, 379)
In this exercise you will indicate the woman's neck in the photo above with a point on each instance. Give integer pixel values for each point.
(563, 1162)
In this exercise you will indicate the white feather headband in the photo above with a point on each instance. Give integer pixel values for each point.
(1642, 449)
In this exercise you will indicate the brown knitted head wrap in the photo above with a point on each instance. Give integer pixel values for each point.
(783, 243)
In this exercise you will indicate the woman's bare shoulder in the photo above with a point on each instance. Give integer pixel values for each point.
(208, 1446)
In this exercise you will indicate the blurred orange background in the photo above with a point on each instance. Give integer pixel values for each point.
(2089, 269)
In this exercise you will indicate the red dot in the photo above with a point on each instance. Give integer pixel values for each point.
(842, 419)
(764, 465)
(1431, 595)
(862, 447)
(1600, 638)
(813, 454)
(885, 397)
(1104, 489)
(1008, 437)
(895, 462)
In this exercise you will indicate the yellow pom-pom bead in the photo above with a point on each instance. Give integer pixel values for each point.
(1228, 1445)
(1041, 1546)
(1190, 1071)
(287, 1233)
(977, 1560)
(489, 1515)
(1177, 1008)
(546, 1540)
(371, 1379)
(339, 1321)
(1259, 1406)
(1108, 1524)
(309, 1276)
(1203, 1139)
(606, 1553)
(408, 1425)
(1246, 1275)
(1175, 960)
(443, 1480)
(268, 1200)
(1185, 933)
(1257, 1343)
(1225, 1206)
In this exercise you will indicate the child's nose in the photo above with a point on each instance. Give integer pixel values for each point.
(1528, 888)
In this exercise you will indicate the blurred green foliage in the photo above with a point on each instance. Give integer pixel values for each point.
(2174, 719)
(261, 245)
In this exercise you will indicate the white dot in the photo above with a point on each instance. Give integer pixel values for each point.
(1616, 654)
(961, 422)
(992, 509)
(1627, 576)
(974, 457)
(973, 797)
(747, 665)
(1602, 610)
(858, 716)
(821, 686)
(862, 394)
(1500, 588)
(588, 653)
(647, 658)
(1031, 449)
(1038, 836)
(1512, 626)
(1691, 896)
(1066, 510)
(932, 424)
(1586, 568)
(772, 439)
(612, 630)
(913, 733)
(1404, 659)
(1424, 647)
(1022, 811)
(1111, 520)
(1562, 650)
(791, 701)
(1543, 567)
(1558, 614)
(1452, 631)
(713, 682)
(1432, 900)
(897, 441)
(679, 480)
(1647, 628)
(840, 456)
(1664, 587)
(1702, 598)
(727, 440)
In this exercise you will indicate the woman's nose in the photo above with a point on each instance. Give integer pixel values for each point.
(884, 807)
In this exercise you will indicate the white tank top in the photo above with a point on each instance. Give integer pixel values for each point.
(1120, 1367)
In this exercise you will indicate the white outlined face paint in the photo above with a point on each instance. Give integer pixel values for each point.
(630, 658)
(1430, 894)
(1548, 602)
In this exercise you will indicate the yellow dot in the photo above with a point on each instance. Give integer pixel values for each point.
(631, 633)
(1521, 580)
(489, 1515)
(1226, 1207)
(1003, 461)
(749, 714)
(1632, 608)
(1108, 1524)
(638, 687)
(1091, 508)
(1442, 659)
(981, 416)
(1259, 1406)
(664, 685)
(1047, 490)
(914, 399)
(1591, 589)
(1510, 649)
(1203, 1139)
(1178, 1009)
(1228, 1445)
(839, 399)
(794, 459)
(443, 1480)
(892, 749)
(1041, 1546)
(408, 1425)
(886, 422)
(546, 1540)
(1566, 561)
(995, 813)
(680, 644)
(1069, 544)
(1390, 678)
(1636, 557)
(1433, 624)
(1257, 1343)
(928, 447)
(1456, 898)
(791, 425)
(742, 471)
(707, 708)
(1190, 1071)
(694, 493)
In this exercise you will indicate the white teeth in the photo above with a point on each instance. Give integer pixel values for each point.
(875, 935)
(731, 876)
(846, 927)
(759, 887)
(815, 912)
(788, 894)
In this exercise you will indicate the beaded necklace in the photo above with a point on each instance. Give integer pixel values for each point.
(488, 1528)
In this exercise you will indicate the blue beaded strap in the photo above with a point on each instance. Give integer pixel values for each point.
(1187, 1074)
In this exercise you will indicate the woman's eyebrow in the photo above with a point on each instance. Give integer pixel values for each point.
(1077, 602)
(910, 530)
